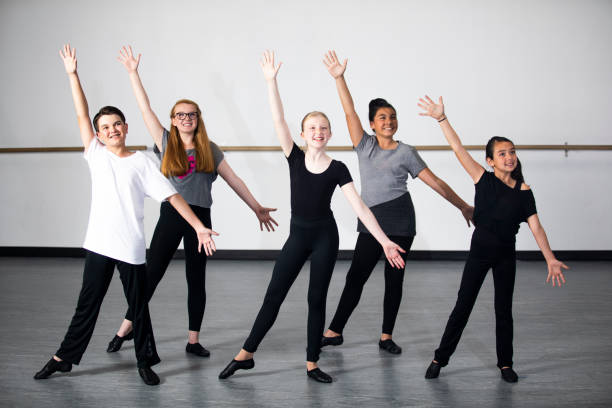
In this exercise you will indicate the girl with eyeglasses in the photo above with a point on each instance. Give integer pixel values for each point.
(191, 162)
(314, 177)
(502, 202)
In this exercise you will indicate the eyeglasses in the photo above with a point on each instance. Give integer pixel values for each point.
(183, 115)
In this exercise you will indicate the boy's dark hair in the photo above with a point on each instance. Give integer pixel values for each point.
(375, 105)
(107, 110)
(517, 173)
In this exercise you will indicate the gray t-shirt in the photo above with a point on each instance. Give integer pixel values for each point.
(384, 174)
(194, 186)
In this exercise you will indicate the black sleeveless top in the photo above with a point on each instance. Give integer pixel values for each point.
(499, 209)
(311, 193)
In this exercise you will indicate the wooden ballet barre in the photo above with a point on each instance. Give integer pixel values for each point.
(563, 147)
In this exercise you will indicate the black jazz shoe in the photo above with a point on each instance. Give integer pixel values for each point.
(332, 341)
(390, 346)
(148, 376)
(117, 341)
(433, 371)
(197, 349)
(236, 365)
(318, 375)
(52, 366)
(509, 375)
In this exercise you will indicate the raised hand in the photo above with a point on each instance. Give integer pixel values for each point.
(554, 272)
(205, 240)
(392, 253)
(68, 55)
(435, 110)
(267, 65)
(263, 215)
(126, 57)
(333, 65)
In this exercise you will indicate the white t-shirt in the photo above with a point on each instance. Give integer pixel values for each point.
(118, 188)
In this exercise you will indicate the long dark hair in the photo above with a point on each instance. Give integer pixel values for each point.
(375, 105)
(517, 173)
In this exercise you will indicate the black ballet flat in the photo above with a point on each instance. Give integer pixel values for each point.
(197, 349)
(433, 371)
(52, 366)
(148, 376)
(319, 376)
(117, 341)
(390, 346)
(332, 341)
(236, 365)
(509, 375)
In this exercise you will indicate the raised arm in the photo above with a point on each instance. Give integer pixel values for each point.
(68, 56)
(276, 106)
(154, 126)
(392, 250)
(554, 265)
(436, 111)
(336, 70)
(440, 187)
(238, 185)
(204, 234)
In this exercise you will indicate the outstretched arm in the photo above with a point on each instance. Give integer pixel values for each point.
(336, 70)
(436, 111)
(68, 56)
(554, 265)
(155, 128)
(276, 106)
(204, 234)
(392, 250)
(236, 183)
(439, 186)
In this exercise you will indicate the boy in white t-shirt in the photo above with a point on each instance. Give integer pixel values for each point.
(115, 235)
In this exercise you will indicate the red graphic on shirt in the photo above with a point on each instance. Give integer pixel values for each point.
(192, 166)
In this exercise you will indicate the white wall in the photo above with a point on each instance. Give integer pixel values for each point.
(537, 72)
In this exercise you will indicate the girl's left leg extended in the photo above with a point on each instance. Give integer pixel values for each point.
(394, 280)
(504, 273)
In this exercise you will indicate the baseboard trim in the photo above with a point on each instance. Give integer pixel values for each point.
(345, 254)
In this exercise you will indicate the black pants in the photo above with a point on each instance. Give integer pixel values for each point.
(97, 276)
(482, 257)
(170, 229)
(367, 253)
(319, 240)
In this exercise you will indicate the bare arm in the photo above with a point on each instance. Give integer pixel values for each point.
(204, 234)
(436, 111)
(336, 70)
(237, 184)
(155, 128)
(276, 106)
(554, 265)
(68, 56)
(392, 250)
(439, 186)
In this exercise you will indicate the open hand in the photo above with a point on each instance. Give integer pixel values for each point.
(68, 55)
(392, 253)
(468, 214)
(126, 57)
(333, 65)
(267, 65)
(554, 272)
(205, 240)
(435, 110)
(263, 215)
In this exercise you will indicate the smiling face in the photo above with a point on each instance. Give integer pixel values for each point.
(504, 157)
(316, 131)
(185, 117)
(385, 122)
(112, 130)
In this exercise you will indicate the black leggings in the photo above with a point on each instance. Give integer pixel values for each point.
(502, 259)
(170, 229)
(367, 253)
(97, 276)
(319, 240)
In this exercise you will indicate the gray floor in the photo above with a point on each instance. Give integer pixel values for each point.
(563, 350)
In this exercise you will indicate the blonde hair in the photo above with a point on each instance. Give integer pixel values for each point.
(313, 114)
(175, 161)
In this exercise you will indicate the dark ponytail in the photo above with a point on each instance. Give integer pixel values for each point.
(375, 105)
(517, 173)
